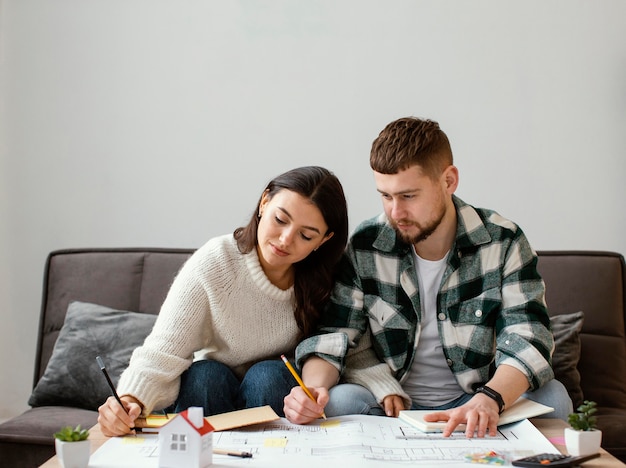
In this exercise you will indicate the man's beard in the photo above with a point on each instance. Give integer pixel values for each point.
(424, 233)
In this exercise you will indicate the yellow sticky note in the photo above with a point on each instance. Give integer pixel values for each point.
(156, 420)
(275, 442)
(331, 423)
(133, 440)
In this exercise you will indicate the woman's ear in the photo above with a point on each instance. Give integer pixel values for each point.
(326, 237)
(264, 201)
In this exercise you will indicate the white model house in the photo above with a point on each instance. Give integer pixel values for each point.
(186, 440)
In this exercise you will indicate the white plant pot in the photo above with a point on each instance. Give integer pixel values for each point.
(582, 442)
(73, 454)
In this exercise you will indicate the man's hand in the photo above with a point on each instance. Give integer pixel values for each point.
(300, 409)
(480, 415)
(393, 404)
(114, 421)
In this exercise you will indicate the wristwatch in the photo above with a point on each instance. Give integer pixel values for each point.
(491, 393)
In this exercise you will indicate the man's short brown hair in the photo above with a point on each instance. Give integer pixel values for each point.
(411, 141)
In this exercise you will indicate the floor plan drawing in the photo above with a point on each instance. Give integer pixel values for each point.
(373, 439)
(361, 441)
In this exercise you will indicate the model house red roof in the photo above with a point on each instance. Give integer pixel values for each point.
(206, 427)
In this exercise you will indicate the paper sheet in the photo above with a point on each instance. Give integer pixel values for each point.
(358, 440)
(220, 422)
(244, 417)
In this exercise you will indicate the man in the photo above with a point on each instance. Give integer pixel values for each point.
(438, 305)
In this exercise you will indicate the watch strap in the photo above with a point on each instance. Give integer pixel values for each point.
(491, 393)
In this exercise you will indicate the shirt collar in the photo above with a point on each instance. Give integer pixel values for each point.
(470, 230)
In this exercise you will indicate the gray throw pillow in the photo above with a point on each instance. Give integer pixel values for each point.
(72, 376)
(566, 329)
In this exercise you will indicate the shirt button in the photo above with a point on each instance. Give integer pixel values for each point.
(449, 362)
(478, 313)
(441, 316)
(507, 342)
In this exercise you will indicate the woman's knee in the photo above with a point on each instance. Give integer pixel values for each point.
(209, 384)
(266, 383)
(207, 373)
(268, 374)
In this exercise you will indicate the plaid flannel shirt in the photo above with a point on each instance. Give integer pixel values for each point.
(490, 307)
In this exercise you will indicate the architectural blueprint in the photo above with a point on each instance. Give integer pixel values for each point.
(360, 441)
(372, 441)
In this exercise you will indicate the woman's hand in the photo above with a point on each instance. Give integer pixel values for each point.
(300, 409)
(114, 421)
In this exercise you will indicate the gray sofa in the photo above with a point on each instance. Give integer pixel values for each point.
(130, 283)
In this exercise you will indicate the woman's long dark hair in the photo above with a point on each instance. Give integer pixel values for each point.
(313, 276)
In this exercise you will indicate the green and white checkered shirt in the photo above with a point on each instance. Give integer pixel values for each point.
(490, 307)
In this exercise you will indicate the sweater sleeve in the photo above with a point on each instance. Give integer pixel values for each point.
(153, 374)
(364, 368)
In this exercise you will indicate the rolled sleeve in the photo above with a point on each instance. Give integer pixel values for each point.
(332, 347)
(525, 341)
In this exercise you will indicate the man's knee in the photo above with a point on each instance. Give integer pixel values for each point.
(553, 394)
(351, 399)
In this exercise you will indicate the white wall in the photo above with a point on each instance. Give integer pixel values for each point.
(153, 123)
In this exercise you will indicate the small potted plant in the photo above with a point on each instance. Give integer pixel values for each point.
(583, 438)
(72, 447)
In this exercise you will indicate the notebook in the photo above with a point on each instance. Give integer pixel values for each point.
(521, 409)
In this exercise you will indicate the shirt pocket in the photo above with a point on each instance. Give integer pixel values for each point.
(391, 332)
(482, 310)
(383, 314)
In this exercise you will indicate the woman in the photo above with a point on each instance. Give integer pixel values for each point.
(237, 304)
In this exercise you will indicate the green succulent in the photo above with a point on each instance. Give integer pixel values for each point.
(67, 434)
(583, 419)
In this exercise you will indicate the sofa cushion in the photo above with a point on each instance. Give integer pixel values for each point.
(27, 439)
(566, 329)
(72, 376)
(37, 425)
(612, 423)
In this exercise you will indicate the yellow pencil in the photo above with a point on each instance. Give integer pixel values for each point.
(299, 380)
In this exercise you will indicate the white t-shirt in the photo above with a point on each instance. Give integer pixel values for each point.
(430, 381)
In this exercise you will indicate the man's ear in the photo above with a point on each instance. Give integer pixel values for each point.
(451, 178)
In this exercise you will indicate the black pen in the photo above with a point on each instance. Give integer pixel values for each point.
(106, 374)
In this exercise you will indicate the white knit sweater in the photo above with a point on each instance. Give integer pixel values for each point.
(221, 306)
